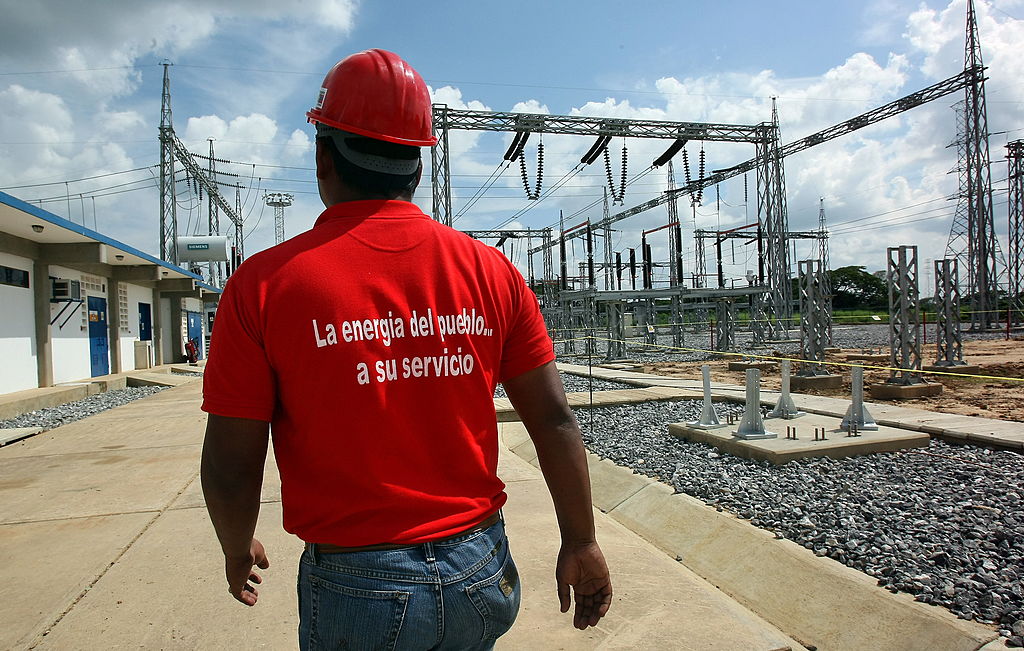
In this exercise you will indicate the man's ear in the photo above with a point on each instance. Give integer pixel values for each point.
(324, 161)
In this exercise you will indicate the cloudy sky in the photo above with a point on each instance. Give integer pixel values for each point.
(80, 95)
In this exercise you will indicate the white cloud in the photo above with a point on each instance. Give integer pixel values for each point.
(78, 111)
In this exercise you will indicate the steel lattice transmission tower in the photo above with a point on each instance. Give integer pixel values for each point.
(771, 186)
(825, 285)
(1015, 208)
(278, 201)
(972, 236)
(168, 189)
(171, 150)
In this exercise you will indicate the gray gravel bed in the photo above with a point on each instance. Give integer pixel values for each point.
(575, 383)
(51, 417)
(942, 523)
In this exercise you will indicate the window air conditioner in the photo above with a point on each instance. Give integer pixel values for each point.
(65, 290)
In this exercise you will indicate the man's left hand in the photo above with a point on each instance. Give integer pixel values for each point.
(239, 572)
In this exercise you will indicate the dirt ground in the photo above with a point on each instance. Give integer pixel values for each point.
(972, 396)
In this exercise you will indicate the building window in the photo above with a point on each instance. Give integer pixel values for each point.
(13, 277)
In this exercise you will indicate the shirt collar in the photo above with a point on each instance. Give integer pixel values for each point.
(377, 208)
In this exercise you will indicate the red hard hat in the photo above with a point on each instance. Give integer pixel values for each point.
(378, 95)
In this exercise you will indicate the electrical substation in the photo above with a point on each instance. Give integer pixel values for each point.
(810, 482)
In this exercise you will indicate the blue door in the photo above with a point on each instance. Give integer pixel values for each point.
(99, 347)
(145, 322)
(195, 331)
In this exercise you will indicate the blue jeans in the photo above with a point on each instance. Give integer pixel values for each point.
(461, 594)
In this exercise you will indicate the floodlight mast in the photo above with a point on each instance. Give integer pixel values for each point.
(278, 201)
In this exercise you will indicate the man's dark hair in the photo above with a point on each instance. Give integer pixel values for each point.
(376, 185)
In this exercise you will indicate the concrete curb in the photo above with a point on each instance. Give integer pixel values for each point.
(15, 404)
(815, 600)
(13, 434)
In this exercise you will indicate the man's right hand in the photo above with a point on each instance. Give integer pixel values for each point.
(583, 567)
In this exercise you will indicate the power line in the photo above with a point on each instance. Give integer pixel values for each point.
(84, 178)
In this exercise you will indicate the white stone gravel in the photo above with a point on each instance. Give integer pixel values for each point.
(943, 523)
(51, 417)
(575, 384)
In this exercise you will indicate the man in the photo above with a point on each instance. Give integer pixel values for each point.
(371, 345)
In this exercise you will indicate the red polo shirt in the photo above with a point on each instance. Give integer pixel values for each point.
(372, 344)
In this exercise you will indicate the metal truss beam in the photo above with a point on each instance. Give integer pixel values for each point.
(447, 118)
(923, 96)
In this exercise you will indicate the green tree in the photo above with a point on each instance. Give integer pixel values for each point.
(854, 288)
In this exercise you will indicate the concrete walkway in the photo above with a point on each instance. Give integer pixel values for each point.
(954, 427)
(104, 543)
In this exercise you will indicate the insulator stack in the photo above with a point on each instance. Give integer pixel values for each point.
(617, 196)
(535, 193)
(700, 170)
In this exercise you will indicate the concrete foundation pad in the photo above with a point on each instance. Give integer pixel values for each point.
(801, 382)
(780, 450)
(867, 357)
(885, 391)
(742, 366)
(966, 369)
(623, 366)
(12, 434)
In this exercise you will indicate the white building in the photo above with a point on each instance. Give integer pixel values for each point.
(77, 304)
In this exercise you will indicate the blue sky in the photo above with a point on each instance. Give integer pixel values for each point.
(80, 83)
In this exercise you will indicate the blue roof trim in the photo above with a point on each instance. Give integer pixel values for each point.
(47, 216)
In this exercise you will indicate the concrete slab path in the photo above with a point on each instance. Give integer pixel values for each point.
(104, 543)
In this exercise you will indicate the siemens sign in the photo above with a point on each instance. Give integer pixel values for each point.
(203, 248)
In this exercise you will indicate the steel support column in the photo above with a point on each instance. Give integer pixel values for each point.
(904, 316)
(814, 319)
(949, 344)
(440, 167)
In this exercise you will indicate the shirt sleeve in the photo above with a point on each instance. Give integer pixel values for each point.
(238, 381)
(527, 345)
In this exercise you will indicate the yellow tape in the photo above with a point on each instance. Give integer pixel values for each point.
(791, 359)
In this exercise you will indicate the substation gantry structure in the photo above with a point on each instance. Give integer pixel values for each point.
(173, 151)
(772, 298)
(603, 130)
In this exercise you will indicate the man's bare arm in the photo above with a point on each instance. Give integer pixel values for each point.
(234, 453)
(539, 399)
